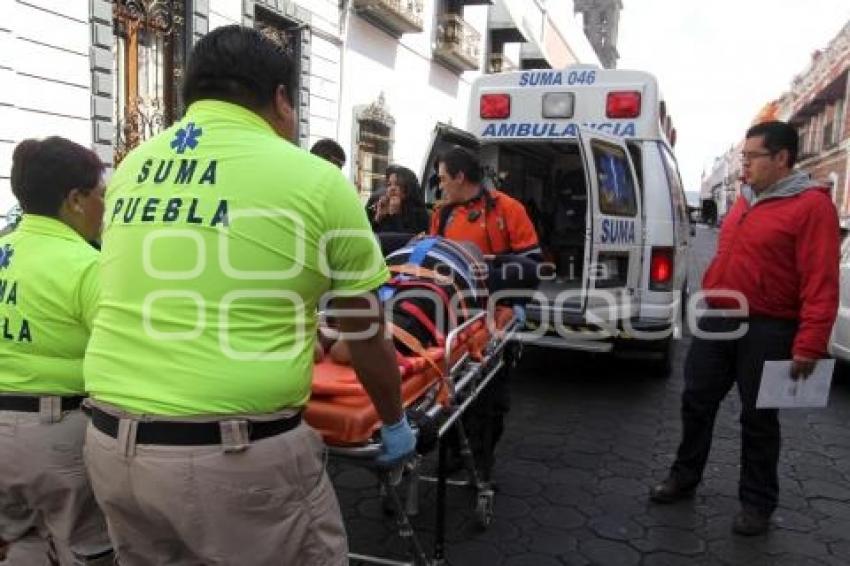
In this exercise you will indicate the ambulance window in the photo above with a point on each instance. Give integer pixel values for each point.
(637, 161)
(616, 184)
(677, 192)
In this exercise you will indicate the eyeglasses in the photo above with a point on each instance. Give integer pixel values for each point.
(751, 155)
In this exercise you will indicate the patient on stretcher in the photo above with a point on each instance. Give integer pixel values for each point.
(436, 285)
(433, 289)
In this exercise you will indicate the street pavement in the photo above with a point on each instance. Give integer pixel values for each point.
(587, 436)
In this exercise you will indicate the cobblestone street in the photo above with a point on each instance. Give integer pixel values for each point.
(586, 438)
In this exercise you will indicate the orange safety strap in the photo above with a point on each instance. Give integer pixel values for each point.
(415, 346)
(419, 314)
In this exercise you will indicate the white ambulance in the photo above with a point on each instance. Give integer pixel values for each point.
(589, 153)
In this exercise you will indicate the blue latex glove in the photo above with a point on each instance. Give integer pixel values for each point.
(397, 443)
(519, 313)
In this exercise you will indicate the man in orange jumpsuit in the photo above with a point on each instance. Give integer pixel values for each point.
(500, 227)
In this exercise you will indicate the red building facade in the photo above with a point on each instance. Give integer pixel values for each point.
(817, 105)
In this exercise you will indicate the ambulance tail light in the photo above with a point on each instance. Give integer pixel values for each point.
(661, 269)
(495, 106)
(623, 104)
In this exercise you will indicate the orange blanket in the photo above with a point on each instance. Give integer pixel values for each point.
(342, 412)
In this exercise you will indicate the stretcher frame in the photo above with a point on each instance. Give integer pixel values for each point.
(466, 379)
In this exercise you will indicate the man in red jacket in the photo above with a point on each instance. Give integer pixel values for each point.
(778, 251)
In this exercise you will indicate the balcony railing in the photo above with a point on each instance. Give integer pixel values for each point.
(458, 43)
(500, 63)
(396, 17)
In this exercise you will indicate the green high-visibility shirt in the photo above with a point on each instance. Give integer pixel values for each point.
(48, 298)
(220, 238)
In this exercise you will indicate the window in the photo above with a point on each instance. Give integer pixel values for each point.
(373, 155)
(616, 184)
(148, 59)
(803, 135)
(832, 183)
(812, 144)
(828, 133)
(374, 146)
(287, 34)
(637, 161)
(677, 191)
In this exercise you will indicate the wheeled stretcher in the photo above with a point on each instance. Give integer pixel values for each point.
(438, 386)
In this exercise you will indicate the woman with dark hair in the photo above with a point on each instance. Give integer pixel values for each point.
(49, 291)
(400, 208)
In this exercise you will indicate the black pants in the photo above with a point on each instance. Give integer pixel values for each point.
(484, 420)
(712, 366)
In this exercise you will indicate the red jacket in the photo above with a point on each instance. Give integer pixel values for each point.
(782, 255)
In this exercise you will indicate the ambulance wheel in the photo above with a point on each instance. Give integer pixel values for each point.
(484, 508)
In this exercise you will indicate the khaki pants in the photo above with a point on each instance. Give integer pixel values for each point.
(270, 503)
(44, 488)
(30, 550)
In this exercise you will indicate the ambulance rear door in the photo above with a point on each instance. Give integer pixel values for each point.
(443, 138)
(616, 239)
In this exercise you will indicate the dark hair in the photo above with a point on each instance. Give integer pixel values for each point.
(329, 150)
(777, 136)
(414, 214)
(459, 159)
(45, 171)
(409, 182)
(239, 65)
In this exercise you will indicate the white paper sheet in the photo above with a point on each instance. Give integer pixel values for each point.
(779, 391)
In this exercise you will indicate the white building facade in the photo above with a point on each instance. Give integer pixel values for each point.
(375, 75)
(721, 186)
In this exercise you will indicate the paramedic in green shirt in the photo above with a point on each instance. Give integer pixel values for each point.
(221, 237)
(48, 298)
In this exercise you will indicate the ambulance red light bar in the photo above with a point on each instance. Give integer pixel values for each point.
(661, 269)
(495, 106)
(623, 104)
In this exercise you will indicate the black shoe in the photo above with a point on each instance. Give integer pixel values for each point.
(671, 490)
(749, 522)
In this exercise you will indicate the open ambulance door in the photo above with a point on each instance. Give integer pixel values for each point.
(616, 229)
(443, 138)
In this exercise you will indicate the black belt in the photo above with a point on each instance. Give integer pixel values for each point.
(170, 433)
(32, 404)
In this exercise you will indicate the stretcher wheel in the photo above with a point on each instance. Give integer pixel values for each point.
(484, 508)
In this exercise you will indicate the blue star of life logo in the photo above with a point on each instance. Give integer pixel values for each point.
(186, 138)
(6, 253)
